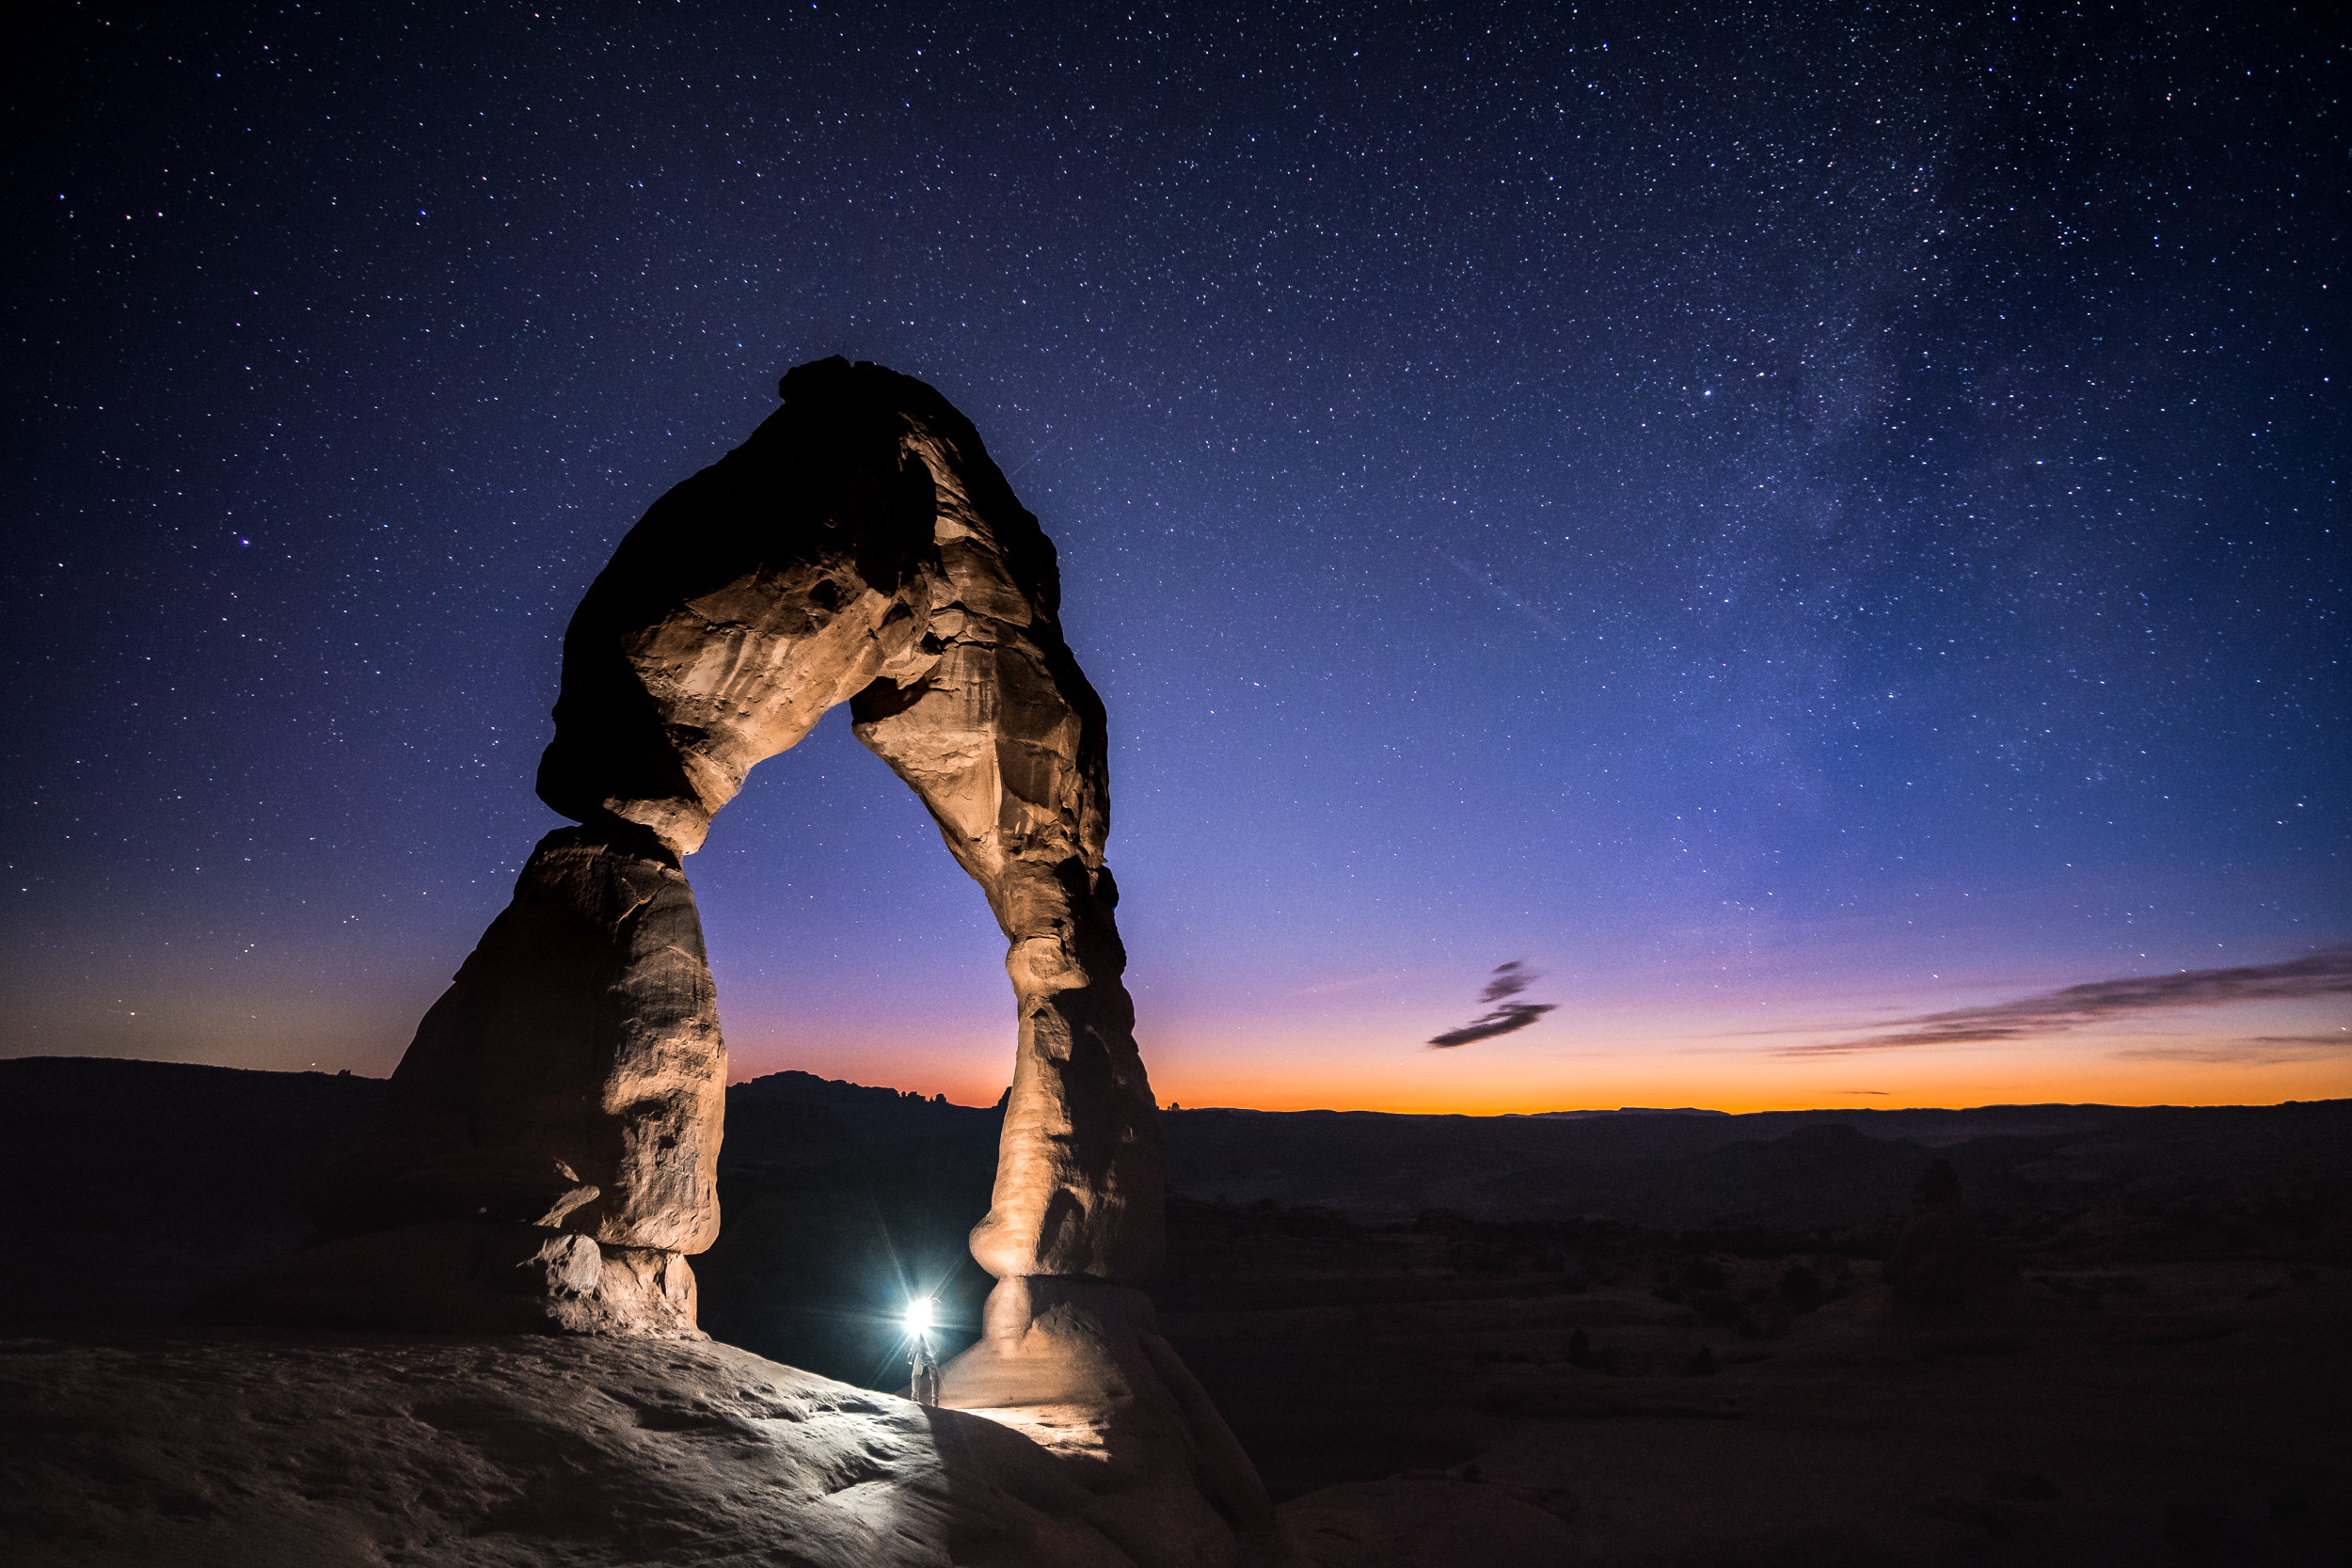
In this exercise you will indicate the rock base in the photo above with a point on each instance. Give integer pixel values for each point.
(467, 1276)
(1080, 1367)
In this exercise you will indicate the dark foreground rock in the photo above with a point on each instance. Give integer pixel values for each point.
(259, 1448)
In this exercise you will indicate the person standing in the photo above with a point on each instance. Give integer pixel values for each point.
(924, 1384)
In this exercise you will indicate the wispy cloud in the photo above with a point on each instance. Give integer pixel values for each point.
(1507, 981)
(1343, 983)
(2261, 1051)
(2323, 974)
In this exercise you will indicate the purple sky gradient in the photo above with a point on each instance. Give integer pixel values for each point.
(1826, 519)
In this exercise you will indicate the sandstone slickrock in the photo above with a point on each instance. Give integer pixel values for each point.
(464, 1276)
(270, 1449)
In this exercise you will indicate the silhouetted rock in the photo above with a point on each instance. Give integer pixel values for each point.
(572, 1079)
(446, 1276)
(1941, 1257)
(1801, 1288)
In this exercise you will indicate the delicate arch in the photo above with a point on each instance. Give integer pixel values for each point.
(860, 547)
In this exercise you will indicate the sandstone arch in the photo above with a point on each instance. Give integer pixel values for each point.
(561, 1106)
(862, 548)
(547, 1160)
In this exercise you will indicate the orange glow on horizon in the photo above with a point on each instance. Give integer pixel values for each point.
(1519, 1078)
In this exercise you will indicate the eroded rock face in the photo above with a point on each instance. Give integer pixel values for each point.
(560, 1103)
(549, 1149)
(573, 1076)
(467, 1276)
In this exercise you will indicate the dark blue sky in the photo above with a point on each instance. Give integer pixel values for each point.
(1821, 515)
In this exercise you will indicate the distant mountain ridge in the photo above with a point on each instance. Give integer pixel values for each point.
(1803, 1170)
(792, 1084)
(1631, 1111)
(140, 1182)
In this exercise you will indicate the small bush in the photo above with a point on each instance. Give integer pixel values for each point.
(1801, 1288)
(1700, 1274)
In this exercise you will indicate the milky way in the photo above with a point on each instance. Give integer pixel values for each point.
(1730, 505)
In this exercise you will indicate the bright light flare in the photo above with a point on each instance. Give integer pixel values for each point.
(919, 1315)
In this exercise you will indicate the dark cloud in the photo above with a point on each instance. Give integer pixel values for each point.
(1507, 981)
(1502, 1021)
(2324, 974)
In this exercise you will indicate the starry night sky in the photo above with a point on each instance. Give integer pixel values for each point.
(1780, 521)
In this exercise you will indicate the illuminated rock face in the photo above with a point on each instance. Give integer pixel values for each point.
(860, 547)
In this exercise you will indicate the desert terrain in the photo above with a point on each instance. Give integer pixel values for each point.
(1635, 1339)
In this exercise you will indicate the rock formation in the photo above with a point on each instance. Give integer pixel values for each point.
(861, 548)
(549, 1145)
(1940, 1258)
(548, 1154)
